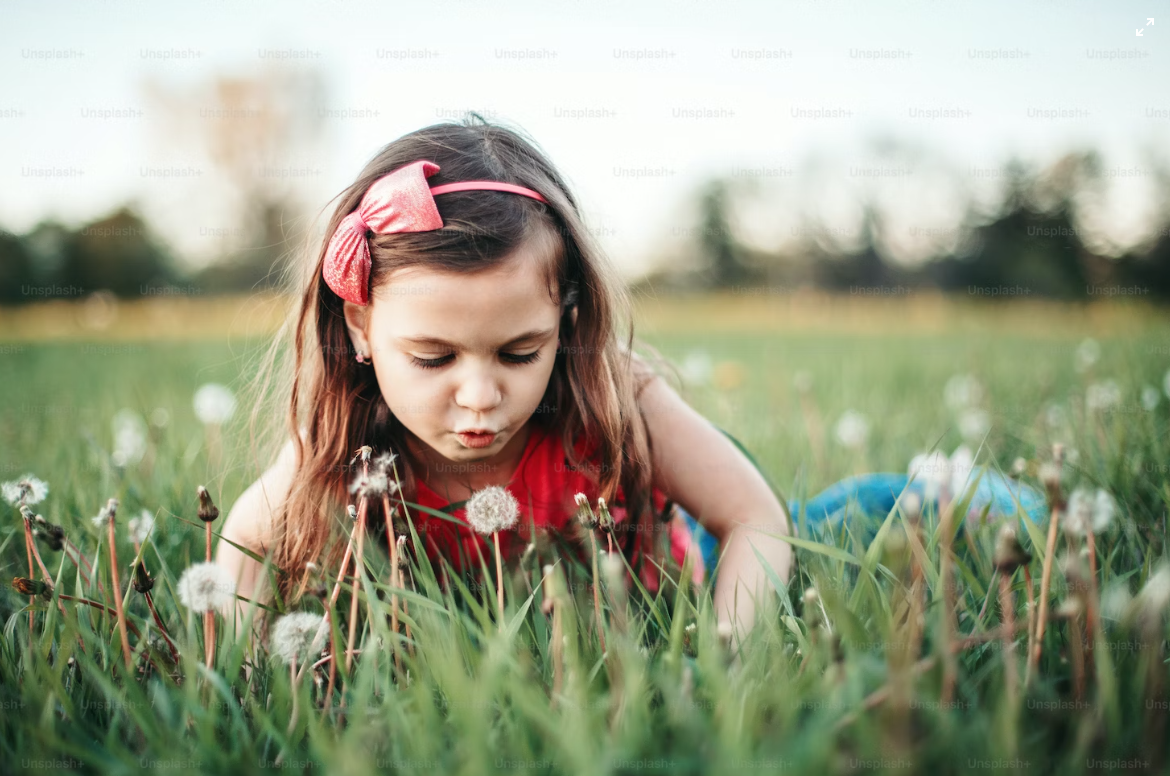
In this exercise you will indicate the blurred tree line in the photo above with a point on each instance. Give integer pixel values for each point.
(117, 252)
(257, 134)
(120, 253)
(1033, 244)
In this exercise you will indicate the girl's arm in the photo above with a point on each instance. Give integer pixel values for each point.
(249, 524)
(698, 467)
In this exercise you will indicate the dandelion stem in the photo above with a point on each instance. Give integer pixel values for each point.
(1092, 619)
(325, 622)
(48, 578)
(1076, 648)
(1008, 634)
(118, 591)
(292, 675)
(499, 579)
(1031, 622)
(552, 604)
(28, 544)
(395, 576)
(161, 628)
(597, 594)
(1045, 581)
(950, 665)
(208, 616)
(360, 531)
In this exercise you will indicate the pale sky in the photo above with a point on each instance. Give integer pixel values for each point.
(637, 103)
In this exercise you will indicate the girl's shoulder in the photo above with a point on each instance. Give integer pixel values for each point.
(250, 520)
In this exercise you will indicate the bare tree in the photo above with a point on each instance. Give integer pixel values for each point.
(260, 133)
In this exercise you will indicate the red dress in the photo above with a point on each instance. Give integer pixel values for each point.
(545, 485)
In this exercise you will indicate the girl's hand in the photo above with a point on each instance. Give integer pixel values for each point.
(698, 467)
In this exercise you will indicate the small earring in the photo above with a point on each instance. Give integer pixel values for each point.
(361, 358)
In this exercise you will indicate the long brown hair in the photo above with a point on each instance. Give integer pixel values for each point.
(336, 403)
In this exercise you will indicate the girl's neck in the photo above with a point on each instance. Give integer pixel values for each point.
(457, 480)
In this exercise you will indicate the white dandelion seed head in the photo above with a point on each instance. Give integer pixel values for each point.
(1049, 474)
(1154, 598)
(1115, 600)
(613, 570)
(140, 526)
(932, 470)
(1054, 416)
(581, 499)
(1150, 398)
(1104, 395)
(1104, 510)
(370, 486)
(104, 514)
(852, 429)
(492, 509)
(1089, 511)
(205, 587)
(129, 438)
(1087, 354)
(962, 391)
(27, 490)
(911, 504)
(697, 367)
(384, 462)
(293, 635)
(974, 424)
(962, 464)
(214, 404)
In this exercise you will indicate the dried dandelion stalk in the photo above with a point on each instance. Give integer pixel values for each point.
(1051, 479)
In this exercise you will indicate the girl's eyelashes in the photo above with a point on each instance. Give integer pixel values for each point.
(511, 358)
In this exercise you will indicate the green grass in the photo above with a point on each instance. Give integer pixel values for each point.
(665, 699)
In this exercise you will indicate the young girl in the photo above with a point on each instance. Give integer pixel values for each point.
(459, 315)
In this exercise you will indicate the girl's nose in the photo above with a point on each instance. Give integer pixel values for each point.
(478, 391)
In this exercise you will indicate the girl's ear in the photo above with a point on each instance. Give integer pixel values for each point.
(357, 319)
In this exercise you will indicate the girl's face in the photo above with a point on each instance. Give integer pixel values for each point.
(457, 352)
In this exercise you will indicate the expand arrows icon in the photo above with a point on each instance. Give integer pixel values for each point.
(1149, 23)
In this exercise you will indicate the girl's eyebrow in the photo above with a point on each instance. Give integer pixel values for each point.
(528, 335)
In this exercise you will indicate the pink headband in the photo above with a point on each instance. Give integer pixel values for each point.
(400, 201)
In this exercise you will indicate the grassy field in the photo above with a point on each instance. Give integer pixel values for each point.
(899, 662)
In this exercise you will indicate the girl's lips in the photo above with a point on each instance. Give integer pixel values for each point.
(476, 441)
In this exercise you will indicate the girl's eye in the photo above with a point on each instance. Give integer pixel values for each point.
(510, 358)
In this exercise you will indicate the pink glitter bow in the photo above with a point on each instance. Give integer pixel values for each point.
(400, 201)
